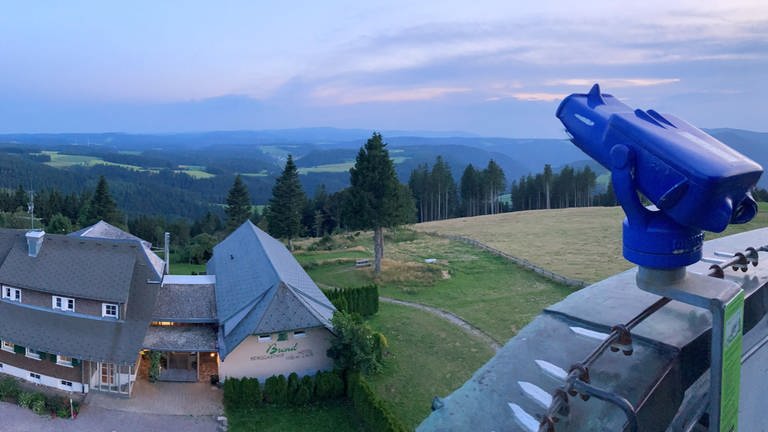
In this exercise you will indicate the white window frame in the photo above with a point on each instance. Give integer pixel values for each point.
(265, 338)
(65, 303)
(9, 347)
(65, 385)
(62, 361)
(12, 294)
(104, 313)
(298, 334)
(35, 376)
(32, 353)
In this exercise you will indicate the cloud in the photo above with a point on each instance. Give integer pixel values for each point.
(614, 82)
(539, 97)
(352, 95)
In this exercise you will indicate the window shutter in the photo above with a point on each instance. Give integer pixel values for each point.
(75, 362)
(18, 349)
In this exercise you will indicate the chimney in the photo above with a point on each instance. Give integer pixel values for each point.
(167, 252)
(34, 242)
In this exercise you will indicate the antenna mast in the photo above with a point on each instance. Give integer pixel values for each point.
(31, 209)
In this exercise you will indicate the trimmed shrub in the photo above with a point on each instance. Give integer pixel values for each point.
(303, 396)
(308, 381)
(232, 398)
(250, 392)
(363, 300)
(293, 387)
(276, 390)
(373, 411)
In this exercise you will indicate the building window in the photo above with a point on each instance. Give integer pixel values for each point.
(109, 310)
(33, 354)
(7, 346)
(12, 294)
(64, 303)
(265, 338)
(298, 334)
(64, 360)
(66, 385)
(34, 376)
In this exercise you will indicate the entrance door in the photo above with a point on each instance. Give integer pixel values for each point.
(107, 374)
(180, 366)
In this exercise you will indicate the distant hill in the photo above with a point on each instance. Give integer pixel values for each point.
(187, 174)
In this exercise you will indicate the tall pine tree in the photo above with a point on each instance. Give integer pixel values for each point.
(287, 204)
(238, 204)
(376, 199)
(102, 206)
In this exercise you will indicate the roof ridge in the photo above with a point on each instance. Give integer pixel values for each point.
(303, 297)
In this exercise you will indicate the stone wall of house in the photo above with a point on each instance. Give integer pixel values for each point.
(304, 355)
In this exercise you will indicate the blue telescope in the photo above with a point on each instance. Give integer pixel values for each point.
(695, 182)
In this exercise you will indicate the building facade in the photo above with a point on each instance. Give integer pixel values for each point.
(80, 312)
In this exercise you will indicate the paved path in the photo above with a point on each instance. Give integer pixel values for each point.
(96, 419)
(166, 398)
(448, 316)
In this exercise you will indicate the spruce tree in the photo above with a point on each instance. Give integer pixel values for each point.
(238, 204)
(376, 199)
(287, 204)
(102, 206)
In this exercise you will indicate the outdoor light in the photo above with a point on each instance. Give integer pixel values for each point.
(695, 181)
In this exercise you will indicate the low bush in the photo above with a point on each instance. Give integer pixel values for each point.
(9, 389)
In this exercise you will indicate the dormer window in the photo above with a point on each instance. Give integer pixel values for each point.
(12, 294)
(109, 310)
(64, 303)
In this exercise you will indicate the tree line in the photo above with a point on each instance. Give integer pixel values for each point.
(438, 197)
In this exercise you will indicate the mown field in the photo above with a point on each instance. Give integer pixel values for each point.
(581, 243)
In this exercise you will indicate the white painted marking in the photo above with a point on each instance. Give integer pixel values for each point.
(536, 393)
(525, 420)
(552, 370)
(581, 331)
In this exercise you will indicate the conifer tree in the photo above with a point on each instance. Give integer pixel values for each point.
(287, 204)
(376, 199)
(238, 204)
(102, 206)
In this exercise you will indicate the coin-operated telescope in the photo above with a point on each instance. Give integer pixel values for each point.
(695, 183)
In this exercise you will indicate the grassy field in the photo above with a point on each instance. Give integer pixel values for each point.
(428, 358)
(326, 417)
(486, 290)
(581, 243)
(59, 160)
(194, 171)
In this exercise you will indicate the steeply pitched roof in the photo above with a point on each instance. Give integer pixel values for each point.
(77, 335)
(104, 230)
(86, 268)
(260, 287)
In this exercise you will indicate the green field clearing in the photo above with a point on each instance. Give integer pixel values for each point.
(194, 171)
(484, 289)
(262, 173)
(429, 358)
(186, 269)
(342, 166)
(59, 160)
(581, 243)
(336, 416)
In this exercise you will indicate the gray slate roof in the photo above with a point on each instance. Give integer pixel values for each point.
(185, 303)
(260, 287)
(190, 338)
(104, 230)
(88, 268)
(76, 335)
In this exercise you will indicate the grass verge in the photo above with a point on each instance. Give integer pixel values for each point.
(428, 358)
(332, 416)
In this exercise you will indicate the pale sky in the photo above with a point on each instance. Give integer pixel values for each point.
(495, 68)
